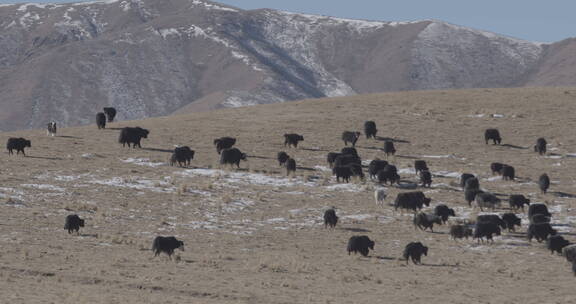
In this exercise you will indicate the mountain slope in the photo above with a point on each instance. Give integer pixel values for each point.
(152, 57)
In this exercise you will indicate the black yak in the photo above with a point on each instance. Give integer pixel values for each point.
(73, 223)
(132, 136)
(17, 144)
(360, 244)
(492, 134)
(166, 245)
(100, 120)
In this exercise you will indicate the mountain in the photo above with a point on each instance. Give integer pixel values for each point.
(157, 57)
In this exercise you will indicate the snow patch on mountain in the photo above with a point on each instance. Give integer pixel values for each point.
(95, 2)
(448, 56)
(213, 6)
(28, 19)
(208, 33)
(356, 24)
(298, 37)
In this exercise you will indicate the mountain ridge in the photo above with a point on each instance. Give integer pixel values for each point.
(150, 58)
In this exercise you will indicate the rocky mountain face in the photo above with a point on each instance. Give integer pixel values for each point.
(157, 57)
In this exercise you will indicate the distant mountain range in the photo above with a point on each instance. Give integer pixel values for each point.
(157, 57)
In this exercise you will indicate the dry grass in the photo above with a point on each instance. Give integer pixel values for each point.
(252, 242)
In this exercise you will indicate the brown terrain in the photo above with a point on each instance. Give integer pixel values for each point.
(255, 236)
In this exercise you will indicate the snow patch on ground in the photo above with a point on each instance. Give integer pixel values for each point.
(350, 187)
(137, 183)
(407, 171)
(322, 168)
(248, 178)
(448, 174)
(11, 193)
(44, 187)
(143, 162)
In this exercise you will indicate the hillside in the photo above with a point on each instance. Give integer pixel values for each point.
(254, 236)
(151, 58)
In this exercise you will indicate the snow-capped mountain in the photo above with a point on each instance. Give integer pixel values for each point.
(157, 57)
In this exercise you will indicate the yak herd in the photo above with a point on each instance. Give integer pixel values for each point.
(347, 164)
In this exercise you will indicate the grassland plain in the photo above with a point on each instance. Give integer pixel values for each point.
(256, 236)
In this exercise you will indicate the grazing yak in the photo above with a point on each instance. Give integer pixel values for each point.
(544, 183)
(380, 196)
(496, 168)
(444, 212)
(485, 230)
(465, 177)
(290, 166)
(350, 137)
(424, 221)
(132, 136)
(349, 151)
(569, 252)
(375, 166)
(347, 159)
(182, 156)
(370, 129)
(470, 195)
(538, 209)
(511, 221)
(331, 158)
(472, 183)
(540, 146)
(426, 178)
(292, 139)
(517, 201)
(388, 174)
(282, 158)
(555, 243)
(420, 165)
(389, 148)
(414, 251)
(51, 128)
(460, 231)
(539, 219)
(344, 172)
(224, 143)
(491, 218)
(100, 120)
(360, 243)
(486, 200)
(17, 144)
(110, 113)
(232, 156)
(492, 134)
(357, 170)
(411, 201)
(167, 245)
(507, 172)
(330, 218)
(73, 223)
(540, 231)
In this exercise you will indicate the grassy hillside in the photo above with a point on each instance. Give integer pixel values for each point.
(254, 236)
